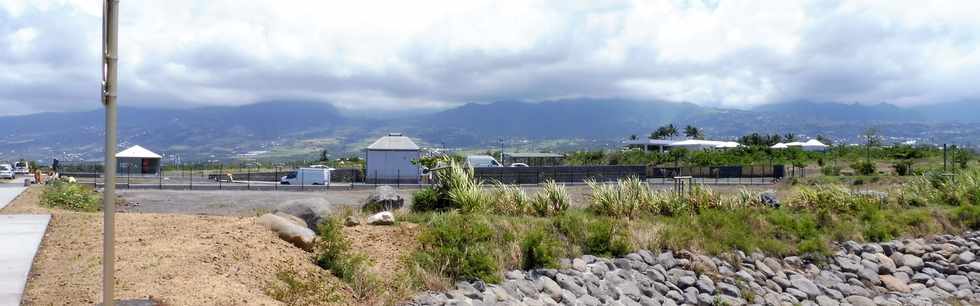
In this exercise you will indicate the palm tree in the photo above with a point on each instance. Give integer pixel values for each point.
(789, 137)
(671, 130)
(693, 132)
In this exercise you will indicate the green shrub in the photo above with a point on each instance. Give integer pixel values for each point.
(539, 249)
(903, 167)
(830, 170)
(816, 245)
(332, 252)
(425, 199)
(573, 226)
(607, 237)
(70, 196)
(510, 200)
(623, 199)
(459, 247)
(864, 168)
(968, 216)
(301, 289)
(876, 226)
(833, 197)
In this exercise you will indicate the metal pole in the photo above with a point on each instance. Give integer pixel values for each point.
(110, 58)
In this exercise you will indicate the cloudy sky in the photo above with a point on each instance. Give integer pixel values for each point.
(374, 55)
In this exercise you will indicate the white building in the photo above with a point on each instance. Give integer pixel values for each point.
(389, 160)
(811, 145)
(137, 161)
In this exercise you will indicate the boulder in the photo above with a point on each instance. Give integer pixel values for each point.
(294, 219)
(895, 284)
(350, 221)
(383, 198)
(768, 198)
(299, 236)
(381, 218)
(310, 210)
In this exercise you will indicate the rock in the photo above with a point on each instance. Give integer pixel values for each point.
(895, 284)
(381, 218)
(568, 283)
(804, 285)
(310, 210)
(945, 285)
(299, 236)
(768, 198)
(959, 281)
(705, 284)
(383, 198)
(549, 287)
(912, 261)
(966, 258)
(858, 300)
(800, 295)
(686, 281)
(824, 300)
(292, 219)
(728, 289)
(885, 265)
(350, 221)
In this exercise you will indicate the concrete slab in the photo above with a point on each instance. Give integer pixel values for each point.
(20, 237)
(8, 194)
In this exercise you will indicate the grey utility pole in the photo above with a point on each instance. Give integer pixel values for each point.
(110, 57)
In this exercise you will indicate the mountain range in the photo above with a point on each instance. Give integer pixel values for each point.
(290, 129)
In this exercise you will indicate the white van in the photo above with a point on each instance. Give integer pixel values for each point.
(22, 167)
(482, 161)
(308, 176)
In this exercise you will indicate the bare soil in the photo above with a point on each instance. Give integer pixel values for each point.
(178, 259)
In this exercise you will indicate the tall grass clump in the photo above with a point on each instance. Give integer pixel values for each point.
(510, 200)
(938, 189)
(459, 247)
(836, 198)
(552, 200)
(296, 288)
(623, 199)
(70, 196)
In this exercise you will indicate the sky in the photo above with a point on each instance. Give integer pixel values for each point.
(370, 56)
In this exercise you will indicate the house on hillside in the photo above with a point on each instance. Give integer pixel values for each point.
(389, 160)
(137, 161)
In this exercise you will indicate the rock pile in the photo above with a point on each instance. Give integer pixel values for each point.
(940, 270)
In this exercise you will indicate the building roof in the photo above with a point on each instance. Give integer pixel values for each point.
(814, 143)
(534, 155)
(655, 142)
(137, 152)
(779, 146)
(394, 142)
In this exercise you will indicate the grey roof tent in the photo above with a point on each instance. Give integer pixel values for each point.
(393, 142)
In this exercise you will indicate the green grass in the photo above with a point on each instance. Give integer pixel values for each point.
(70, 196)
(333, 252)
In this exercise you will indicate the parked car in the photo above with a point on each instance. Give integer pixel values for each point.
(518, 165)
(307, 176)
(21, 167)
(482, 161)
(6, 172)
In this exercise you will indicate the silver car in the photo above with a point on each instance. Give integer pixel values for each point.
(6, 171)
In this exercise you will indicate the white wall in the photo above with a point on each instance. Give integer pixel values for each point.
(391, 165)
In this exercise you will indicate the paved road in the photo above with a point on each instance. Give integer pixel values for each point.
(20, 237)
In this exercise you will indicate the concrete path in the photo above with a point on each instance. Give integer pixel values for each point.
(20, 237)
(8, 194)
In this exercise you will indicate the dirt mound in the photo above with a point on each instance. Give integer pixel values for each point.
(178, 259)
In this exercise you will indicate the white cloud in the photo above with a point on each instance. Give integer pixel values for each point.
(435, 53)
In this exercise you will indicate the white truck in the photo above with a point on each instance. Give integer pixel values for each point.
(307, 176)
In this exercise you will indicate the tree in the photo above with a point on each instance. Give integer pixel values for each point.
(324, 155)
(789, 137)
(633, 137)
(693, 132)
(825, 140)
(664, 132)
(871, 139)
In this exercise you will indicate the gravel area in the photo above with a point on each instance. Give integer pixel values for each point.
(231, 203)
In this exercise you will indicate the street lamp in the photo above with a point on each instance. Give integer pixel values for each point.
(110, 57)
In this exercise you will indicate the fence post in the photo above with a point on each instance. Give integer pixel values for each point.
(191, 184)
(299, 172)
(221, 174)
(160, 177)
(276, 173)
(129, 173)
(249, 177)
(398, 178)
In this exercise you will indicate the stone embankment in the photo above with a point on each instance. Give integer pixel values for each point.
(935, 271)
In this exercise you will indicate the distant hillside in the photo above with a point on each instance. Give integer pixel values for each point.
(290, 129)
(836, 112)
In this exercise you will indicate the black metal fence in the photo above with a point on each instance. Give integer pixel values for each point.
(220, 177)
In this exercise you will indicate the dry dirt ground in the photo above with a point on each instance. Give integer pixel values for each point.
(179, 259)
